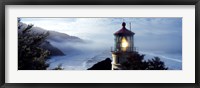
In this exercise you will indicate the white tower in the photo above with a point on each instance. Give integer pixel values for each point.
(124, 46)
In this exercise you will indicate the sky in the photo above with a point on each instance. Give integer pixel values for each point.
(152, 35)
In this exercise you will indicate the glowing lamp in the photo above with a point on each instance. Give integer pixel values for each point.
(124, 39)
(124, 43)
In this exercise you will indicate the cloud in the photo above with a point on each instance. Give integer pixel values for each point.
(154, 35)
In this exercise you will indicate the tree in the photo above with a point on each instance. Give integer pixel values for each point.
(30, 55)
(59, 67)
(134, 62)
(137, 62)
(156, 64)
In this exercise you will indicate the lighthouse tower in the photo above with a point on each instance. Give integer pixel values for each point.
(123, 47)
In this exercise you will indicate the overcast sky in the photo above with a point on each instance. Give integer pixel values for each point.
(155, 35)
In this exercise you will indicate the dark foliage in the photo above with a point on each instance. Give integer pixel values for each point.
(156, 64)
(59, 67)
(30, 55)
(103, 65)
(137, 62)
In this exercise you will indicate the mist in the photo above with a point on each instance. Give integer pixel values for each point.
(153, 37)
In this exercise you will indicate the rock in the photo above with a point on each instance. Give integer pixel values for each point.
(102, 65)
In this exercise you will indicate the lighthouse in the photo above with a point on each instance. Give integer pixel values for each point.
(123, 47)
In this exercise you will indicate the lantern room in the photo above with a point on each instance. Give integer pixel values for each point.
(124, 40)
(123, 48)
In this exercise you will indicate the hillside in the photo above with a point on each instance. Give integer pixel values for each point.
(52, 38)
(53, 50)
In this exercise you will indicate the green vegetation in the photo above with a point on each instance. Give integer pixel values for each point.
(137, 62)
(59, 67)
(30, 55)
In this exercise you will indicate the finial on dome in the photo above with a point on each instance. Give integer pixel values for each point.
(123, 24)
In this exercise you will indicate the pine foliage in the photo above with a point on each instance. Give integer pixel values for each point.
(30, 55)
(137, 62)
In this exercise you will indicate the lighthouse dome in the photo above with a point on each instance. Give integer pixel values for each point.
(123, 31)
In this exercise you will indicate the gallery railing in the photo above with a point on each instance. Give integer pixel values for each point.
(133, 49)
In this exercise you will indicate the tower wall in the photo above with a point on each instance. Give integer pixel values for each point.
(117, 60)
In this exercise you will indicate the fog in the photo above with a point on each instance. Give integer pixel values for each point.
(153, 36)
(78, 55)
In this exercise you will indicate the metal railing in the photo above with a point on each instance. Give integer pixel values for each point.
(134, 49)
